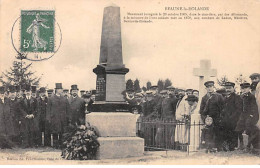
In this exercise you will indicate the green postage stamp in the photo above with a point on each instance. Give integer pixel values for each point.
(37, 30)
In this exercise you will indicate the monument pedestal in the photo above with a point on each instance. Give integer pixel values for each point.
(117, 135)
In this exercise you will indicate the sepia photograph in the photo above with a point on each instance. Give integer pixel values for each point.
(142, 82)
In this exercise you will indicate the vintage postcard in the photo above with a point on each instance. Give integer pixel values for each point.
(158, 82)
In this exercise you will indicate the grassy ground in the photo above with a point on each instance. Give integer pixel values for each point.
(52, 156)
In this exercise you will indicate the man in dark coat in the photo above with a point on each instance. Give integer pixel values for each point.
(232, 110)
(77, 107)
(29, 123)
(57, 115)
(212, 105)
(249, 117)
(42, 107)
(6, 121)
(14, 108)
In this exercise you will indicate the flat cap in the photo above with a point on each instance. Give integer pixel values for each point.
(245, 85)
(209, 83)
(254, 75)
(229, 84)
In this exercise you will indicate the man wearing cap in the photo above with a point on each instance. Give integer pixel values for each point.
(77, 106)
(42, 107)
(82, 92)
(57, 115)
(212, 105)
(7, 132)
(50, 93)
(231, 112)
(255, 86)
(130, 97)
(14, 110)
(29, 124)
(157, 100)
(249, 117)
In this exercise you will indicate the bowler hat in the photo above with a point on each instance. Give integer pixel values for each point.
(50, 90)
(138, 95)
(58, 86)
(163, 92)
(154, 87)
(189, 90)
(74, 87)
(170, 88)
(209, 83)
(245, 85)
(221, 90)
(12, 88)
(82, 91)
(65, 90)
(42, 90)
(2, 89)
(93, 91)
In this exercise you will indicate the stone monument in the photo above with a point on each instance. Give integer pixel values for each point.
(116, 126)
(204, 73)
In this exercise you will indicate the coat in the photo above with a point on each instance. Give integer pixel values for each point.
(42, 107)
(231, 112)
(250, 115)
(212, 105)
(77, 107)
(6, 119)
(57, 114)
(168, 108)
(15, 111)
(27, 108)
(257, 96)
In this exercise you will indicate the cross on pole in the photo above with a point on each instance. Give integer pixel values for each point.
(204, 73)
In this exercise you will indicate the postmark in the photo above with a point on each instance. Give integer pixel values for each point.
(36, 35)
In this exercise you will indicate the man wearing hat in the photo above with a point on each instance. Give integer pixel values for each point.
(212, 105)
(29, 124)
(66, 93)
(231, 112)
(57, 115)
(14, 110)
(77, 106)
(34, 95)
(82, 92)
(249, 117)
(19, 92)
(42, 107)
(50, 93)
(255, 86)
(7, 132)
(164, 136)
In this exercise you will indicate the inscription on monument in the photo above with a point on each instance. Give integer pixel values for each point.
(101, 88)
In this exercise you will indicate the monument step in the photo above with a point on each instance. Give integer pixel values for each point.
(120, 147)
(118, 124)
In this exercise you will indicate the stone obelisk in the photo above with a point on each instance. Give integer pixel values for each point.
(114, 123)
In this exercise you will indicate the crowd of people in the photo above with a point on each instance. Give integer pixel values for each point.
(32, 118)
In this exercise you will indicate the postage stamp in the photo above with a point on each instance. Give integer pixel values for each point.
(37, 31)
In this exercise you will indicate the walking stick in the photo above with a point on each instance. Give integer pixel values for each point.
(51, 140)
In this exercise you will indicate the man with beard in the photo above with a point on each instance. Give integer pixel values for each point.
(29, 123)
(212, 105)
(77, 107)
(66, 93)
(231, 112)
(42, 106)
(7, 132)
(249, 117)
(57, 115)
(50, 93)
(88, 103)
(19, 92)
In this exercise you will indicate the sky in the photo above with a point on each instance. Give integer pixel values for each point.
(152, 51)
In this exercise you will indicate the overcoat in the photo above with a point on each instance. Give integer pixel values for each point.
(57, 114)
(6, 119)
(77, 109)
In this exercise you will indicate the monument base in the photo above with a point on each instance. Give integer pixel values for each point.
(105, 106)
(120, 147)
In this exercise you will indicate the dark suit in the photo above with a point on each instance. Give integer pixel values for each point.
(232, 110)
(77, 107)
(212, 105)
(29, 127)
(42, 106)
(15, 107)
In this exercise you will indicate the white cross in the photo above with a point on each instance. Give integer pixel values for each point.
(204, 73)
